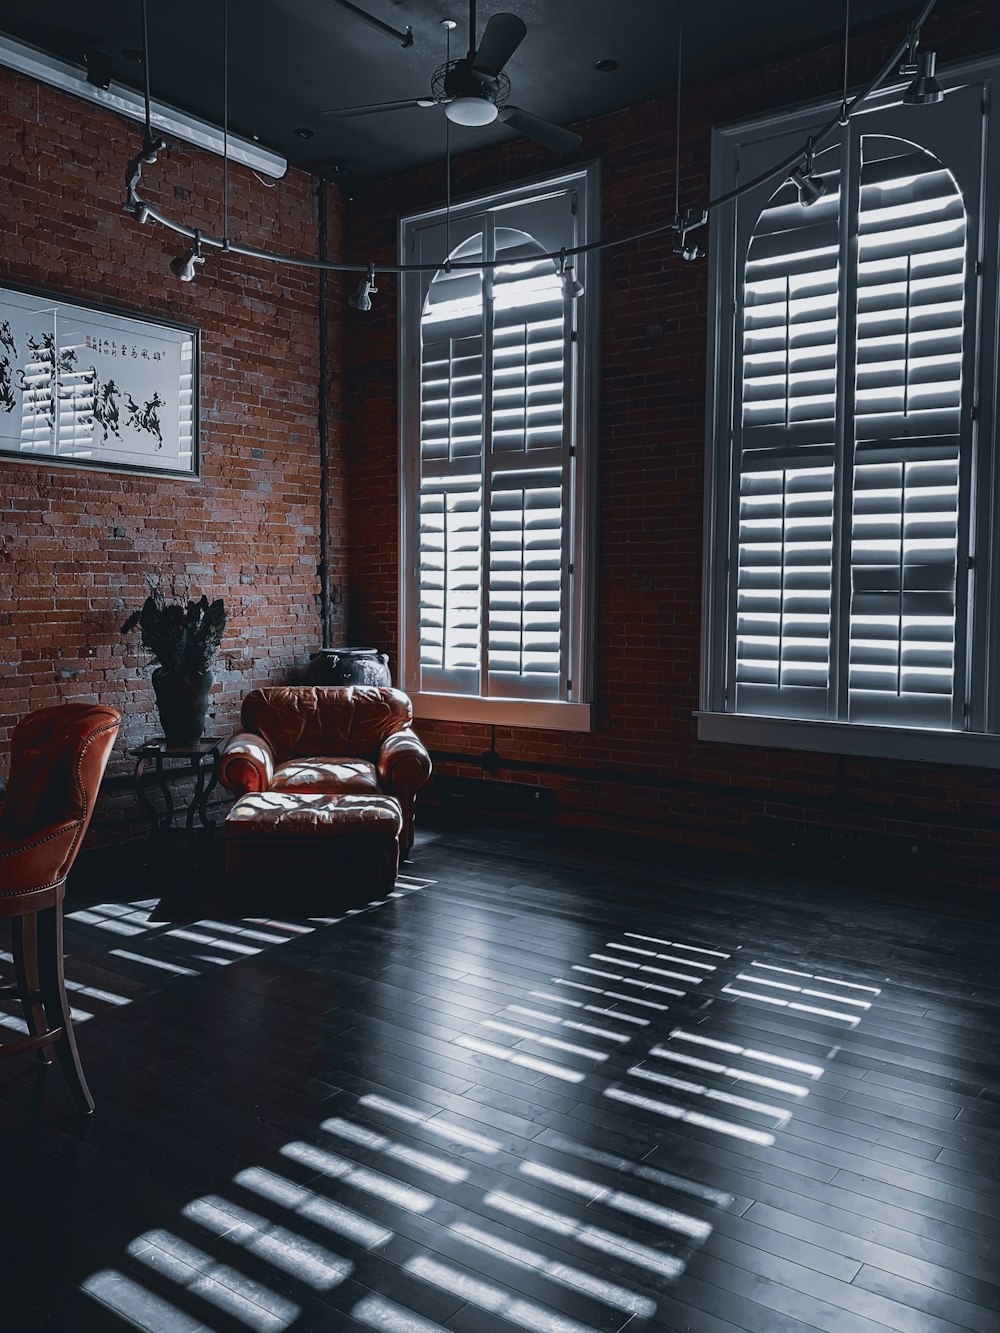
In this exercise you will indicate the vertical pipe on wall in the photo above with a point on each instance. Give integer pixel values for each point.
(325, 607)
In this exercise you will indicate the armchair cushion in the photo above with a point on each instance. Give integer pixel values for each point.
(283, 814)
(337, 776)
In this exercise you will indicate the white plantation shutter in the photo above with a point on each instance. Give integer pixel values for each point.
(450, 584)
(907, 424)
(526, 652)
(495, 480)
(851, 507)
(784, 564)
(449, 544)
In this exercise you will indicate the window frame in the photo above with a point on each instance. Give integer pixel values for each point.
(576, 713)
(979, 742)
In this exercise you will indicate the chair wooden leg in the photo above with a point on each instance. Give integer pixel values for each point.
(24, 947)
(50, 967)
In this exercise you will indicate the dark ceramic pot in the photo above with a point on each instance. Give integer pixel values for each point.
(348, 666)
(182, 702)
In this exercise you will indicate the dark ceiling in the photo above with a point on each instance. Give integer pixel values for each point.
(291, 59)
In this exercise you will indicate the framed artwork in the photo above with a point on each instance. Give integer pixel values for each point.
(93, 387)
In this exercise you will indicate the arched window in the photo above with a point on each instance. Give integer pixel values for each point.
(852, 444)
(494, 420)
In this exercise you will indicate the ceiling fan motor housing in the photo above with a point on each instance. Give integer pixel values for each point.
(455, 80)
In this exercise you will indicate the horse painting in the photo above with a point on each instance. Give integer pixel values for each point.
(146, 418)
(7, 401)
(106, 398)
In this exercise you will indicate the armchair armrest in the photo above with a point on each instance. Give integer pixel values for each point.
(39, 860)
(403, 763)
(246, 764)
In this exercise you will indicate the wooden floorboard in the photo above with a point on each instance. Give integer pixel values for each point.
(546, 1085)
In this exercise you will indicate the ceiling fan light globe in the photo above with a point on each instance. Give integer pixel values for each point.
(471, 111)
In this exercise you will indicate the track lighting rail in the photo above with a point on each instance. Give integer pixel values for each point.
(404, 38)
(799, 164)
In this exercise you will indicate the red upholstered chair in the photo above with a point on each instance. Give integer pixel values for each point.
(58, 757)
(349, 741)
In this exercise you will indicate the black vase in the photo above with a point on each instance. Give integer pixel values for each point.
(348, 666)
(182, 702)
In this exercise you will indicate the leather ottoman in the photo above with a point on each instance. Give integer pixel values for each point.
(316, 836)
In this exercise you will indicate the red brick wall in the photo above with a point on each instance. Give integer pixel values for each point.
(79, 543)
(643, 768)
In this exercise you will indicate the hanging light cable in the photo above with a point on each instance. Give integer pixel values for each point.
(685, 222)
(677, 110)
(225, 124)
(151, 145)
(845, 114)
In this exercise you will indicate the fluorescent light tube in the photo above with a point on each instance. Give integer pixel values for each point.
(25, 59)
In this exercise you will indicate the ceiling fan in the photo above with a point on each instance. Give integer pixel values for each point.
(474, 90)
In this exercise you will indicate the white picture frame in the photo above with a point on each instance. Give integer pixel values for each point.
(91, 386)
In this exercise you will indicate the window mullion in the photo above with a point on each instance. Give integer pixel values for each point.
(970, 707)
(486, 502)
(844, 429)
(570, 684)
(730, 517)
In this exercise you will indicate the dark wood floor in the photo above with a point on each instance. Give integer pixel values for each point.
(545, 1086)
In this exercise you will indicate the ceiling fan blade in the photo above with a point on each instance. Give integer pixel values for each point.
(542, 131)
(503, 35)
(369, 108)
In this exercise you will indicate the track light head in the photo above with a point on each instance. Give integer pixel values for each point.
(683, 224)
(571, 284)
(362, 298)
(811, 187)
(925, 89)
(184, 267)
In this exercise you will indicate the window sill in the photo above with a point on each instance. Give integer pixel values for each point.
(933, 747)
(547, 715)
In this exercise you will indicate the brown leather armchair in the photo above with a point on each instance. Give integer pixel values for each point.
(340, 740)
(58, 757)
